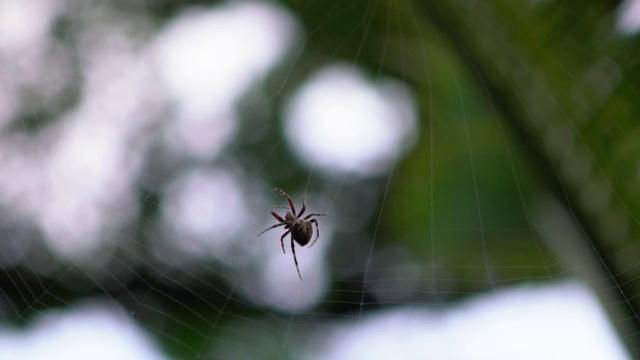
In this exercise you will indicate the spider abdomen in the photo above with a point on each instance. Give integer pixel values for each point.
(301, 232)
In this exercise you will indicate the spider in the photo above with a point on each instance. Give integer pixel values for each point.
(300, 229)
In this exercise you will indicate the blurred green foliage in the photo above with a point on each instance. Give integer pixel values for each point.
(512, 95)
(516, 99)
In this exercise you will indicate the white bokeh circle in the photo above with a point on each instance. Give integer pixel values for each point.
(343, 122)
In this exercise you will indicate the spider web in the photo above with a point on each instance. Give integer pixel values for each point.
(141, 142)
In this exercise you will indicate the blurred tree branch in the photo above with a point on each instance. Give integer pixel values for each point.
(564, 83)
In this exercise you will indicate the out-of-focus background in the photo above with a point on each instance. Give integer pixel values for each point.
(478, 164)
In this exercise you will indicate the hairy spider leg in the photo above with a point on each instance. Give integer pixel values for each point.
(279, 218)
(275, 215)
(295, 259)
(314, 214)
(282, 240)
(281, 192)
(269, 228)
(317, 230)
(304, 206)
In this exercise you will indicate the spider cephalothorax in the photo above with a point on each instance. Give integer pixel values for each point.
(300, 229)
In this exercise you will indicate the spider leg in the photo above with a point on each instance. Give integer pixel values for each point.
(310, 215)
(274, 226)
(281, 192)
(278, 217)
(295, 259)
(282, 240)
(317, 230)
(304, 206)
